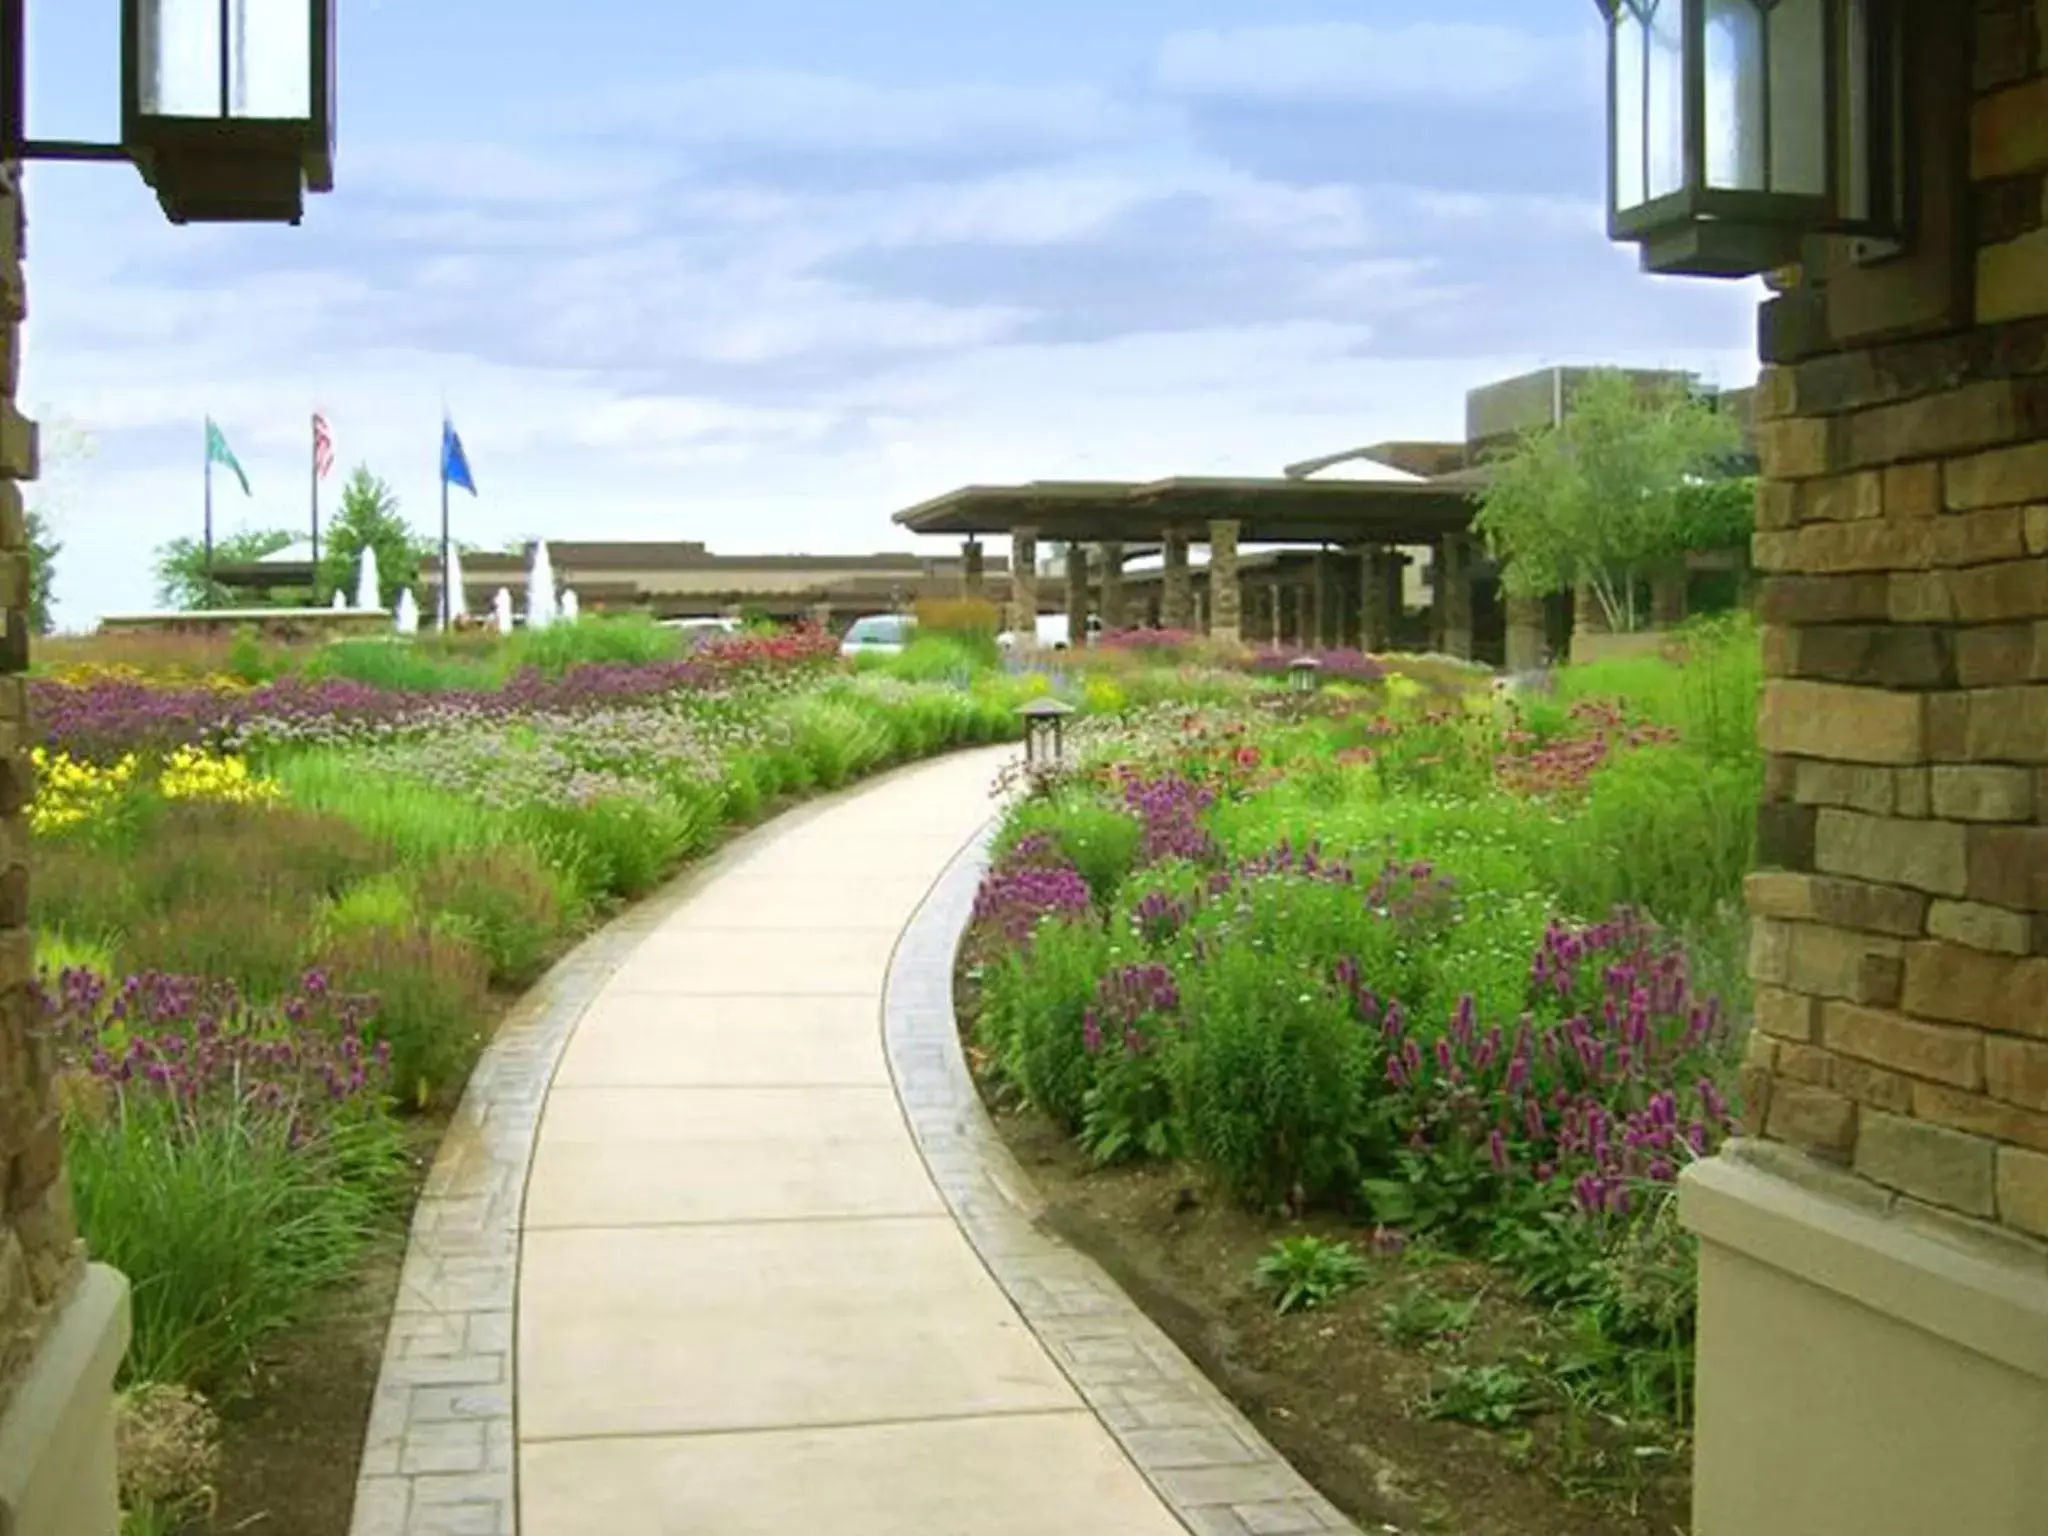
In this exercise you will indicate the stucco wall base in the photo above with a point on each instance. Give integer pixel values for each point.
(1865, 1369)
(57, 1475)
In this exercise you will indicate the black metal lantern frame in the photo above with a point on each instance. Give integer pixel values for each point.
(1045, 730)
(1722, 171)
(206, 153)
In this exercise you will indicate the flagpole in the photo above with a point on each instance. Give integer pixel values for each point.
(316, 517)
(206, 598)
(447, 594)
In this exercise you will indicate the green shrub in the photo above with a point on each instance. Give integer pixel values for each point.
(432, 991)
(1306, 1272)
(1270, 1076)
(600, 639)
(1098, 839)
(1033, 1013)
(511, 904)
(1663, 828)
(223, 1227)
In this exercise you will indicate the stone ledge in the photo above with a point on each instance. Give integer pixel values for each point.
(1215, 1471)
(57, 1438)
(1982, 1289)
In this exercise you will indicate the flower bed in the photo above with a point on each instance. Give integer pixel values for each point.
(275, 919)
(1449, 972)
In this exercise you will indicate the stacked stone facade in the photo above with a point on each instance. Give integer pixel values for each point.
(1900, 943)
(40, 1257)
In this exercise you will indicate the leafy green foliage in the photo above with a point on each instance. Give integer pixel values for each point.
(369, 516)
(1419, 1315)
(1492, 1396)
(181, 580)
(43, 550)
(1604, 498)
(1303, 1273)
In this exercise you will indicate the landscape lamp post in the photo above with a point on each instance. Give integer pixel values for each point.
(1738, 127)
(1045, 739)
(227, 106)
(1303, 673)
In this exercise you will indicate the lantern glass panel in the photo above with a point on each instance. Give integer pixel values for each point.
(1798, 97)
(226, 59)
(1736, 75)
(1664, 98)
(1631, 108)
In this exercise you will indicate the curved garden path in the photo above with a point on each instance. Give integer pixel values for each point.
(722, 1245)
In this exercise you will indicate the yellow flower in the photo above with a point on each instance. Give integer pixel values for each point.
(190, 773)
(69, 792)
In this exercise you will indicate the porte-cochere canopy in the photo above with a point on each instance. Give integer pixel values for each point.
(1266, 510)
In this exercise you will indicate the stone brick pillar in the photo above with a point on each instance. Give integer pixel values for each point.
(1024, 583)
(1873, 1352)
(1226, 596)
(1271, 601)
(1453, 567)
(1316, 619)
(1527, 638)
(1668, 599)
(1375, 623)
(1077, 594)
(821, 616)
(63, 1325)
(973, 571)
(1176, 593)
(1111, 608)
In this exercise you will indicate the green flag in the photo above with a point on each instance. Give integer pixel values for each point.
(218, 452)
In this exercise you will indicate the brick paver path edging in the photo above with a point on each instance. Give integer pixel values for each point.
(1203, 1457)
(437, 1454)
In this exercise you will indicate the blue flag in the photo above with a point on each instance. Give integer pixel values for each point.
(454, 462)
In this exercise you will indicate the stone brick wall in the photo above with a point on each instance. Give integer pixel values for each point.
(1900, 942)
(39, 1254)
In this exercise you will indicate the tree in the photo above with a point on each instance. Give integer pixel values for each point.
(368, 515)
(181, 580)
(1608, 496)
(43, 550)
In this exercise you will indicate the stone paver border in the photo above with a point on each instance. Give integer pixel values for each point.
(1213, 1469)
(438, 1453)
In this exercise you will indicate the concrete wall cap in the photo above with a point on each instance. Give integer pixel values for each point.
(1975, 1290)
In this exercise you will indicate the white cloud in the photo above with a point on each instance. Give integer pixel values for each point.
(820, 114)
(777, 356)
(1358, 62)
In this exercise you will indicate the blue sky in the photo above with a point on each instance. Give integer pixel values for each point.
(760, 274)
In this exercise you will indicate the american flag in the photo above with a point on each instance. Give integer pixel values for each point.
(323, 446)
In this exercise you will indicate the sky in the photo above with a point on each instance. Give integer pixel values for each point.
(762, 274)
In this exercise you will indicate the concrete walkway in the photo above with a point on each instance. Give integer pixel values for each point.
(743, 1308)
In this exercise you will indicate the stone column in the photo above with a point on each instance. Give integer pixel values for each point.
(1226, 596)
(1177, 596)
(1375, 623)
(1024, 583)
(1453, 564)
(1527, 638)
(973, 574)
(1588, 617)
(1315, 627)
(1890, 1199)
(821, 616)
(1111, 608)
(1077, 594)
(1272, 590)
(63, 1324)
(1668, 599)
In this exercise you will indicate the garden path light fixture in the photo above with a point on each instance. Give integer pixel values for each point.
(227, 106)
(1736, 128)
(1045, 726)
(1304, 673)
